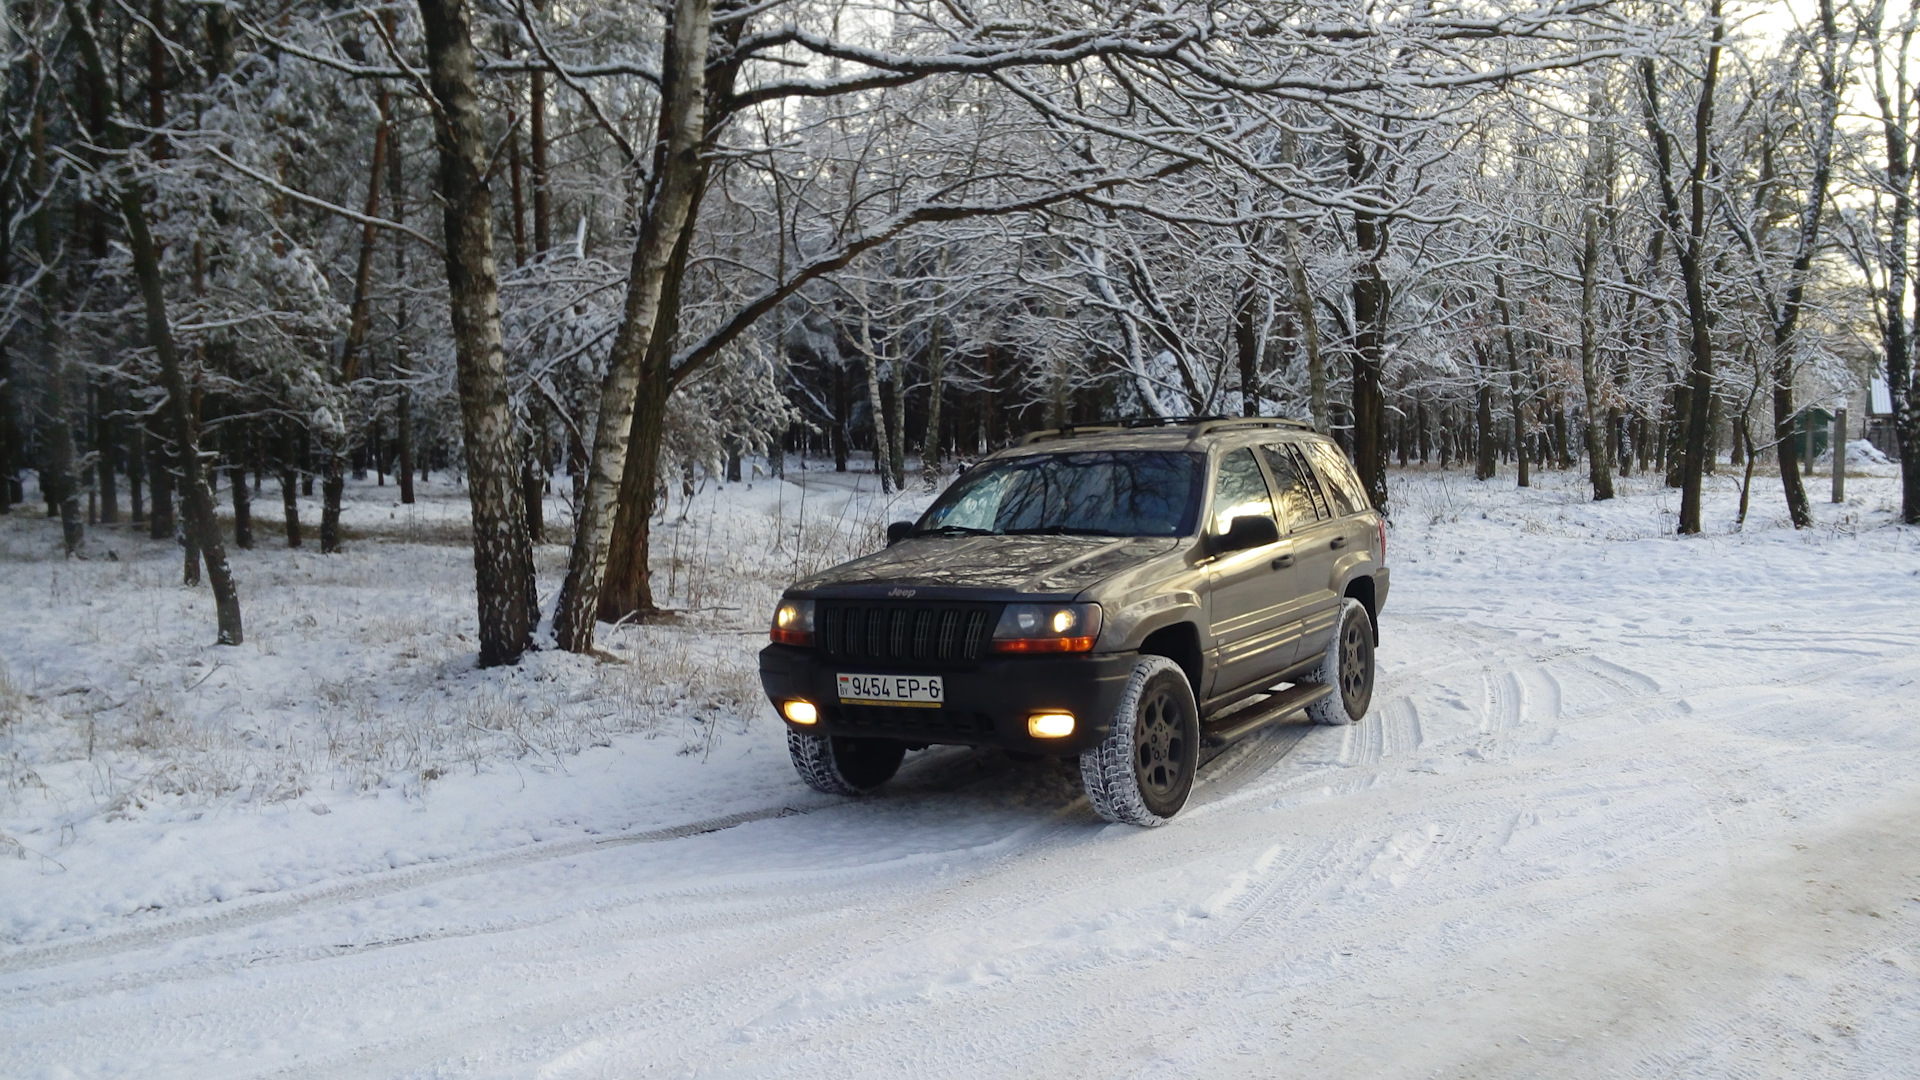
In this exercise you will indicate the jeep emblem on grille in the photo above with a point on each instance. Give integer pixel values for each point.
(904, 593)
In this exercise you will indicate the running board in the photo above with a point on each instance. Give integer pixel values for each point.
(1278, 707)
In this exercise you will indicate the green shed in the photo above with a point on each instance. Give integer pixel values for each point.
(1813, 426)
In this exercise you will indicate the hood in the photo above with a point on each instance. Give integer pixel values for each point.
(1033, 565)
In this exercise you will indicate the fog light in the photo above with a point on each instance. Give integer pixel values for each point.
(803, 712)
(1050, 725)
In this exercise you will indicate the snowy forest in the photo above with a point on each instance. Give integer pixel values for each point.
(430, 428)
(597, 250)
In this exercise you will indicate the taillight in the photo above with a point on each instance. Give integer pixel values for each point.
(1380, 551)
(793, 623)
(1047, 628)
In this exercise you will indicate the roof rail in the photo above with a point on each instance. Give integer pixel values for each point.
(1066, 431)
(1220, 423)
(1200, 425)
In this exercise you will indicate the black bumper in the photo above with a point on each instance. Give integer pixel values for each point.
(986, 704)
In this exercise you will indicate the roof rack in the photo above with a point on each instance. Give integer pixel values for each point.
(1067, 431)
(1200, 425)
(1219, 423)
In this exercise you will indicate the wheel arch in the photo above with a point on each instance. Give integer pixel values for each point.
(1180, 643)
(1361, 587)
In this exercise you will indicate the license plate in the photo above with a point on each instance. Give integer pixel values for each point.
(916, 691)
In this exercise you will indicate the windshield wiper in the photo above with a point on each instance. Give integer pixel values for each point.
(953, 530)
(1063, 530)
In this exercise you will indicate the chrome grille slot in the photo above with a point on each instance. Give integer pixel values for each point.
(896, 632)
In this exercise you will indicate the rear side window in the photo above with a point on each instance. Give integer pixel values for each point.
(1240, 491)
(1336, 475)
(1294, 493)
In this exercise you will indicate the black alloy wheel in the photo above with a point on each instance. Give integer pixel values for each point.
(1165, 750)
(1356, 665)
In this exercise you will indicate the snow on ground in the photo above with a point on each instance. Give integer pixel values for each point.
(1626, 805)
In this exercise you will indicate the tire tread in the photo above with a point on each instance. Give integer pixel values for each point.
(1106, 770)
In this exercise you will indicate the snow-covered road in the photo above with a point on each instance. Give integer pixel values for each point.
(1626, 805)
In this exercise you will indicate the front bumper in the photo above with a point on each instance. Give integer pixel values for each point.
(986, 704)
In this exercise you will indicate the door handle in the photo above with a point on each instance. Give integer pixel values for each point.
(1282, 562)
(1338, 543)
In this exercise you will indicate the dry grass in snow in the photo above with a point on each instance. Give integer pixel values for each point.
(358, 671)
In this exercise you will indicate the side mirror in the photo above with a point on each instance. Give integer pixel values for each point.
(898, 531)
(1247, 532)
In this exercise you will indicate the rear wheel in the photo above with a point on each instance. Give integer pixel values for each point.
(1142, 773)
(1347, 666)
(835, 765)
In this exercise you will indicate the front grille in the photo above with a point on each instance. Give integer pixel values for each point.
(905, 721)
(897, 633)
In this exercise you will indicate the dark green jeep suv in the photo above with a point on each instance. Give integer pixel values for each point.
(1116, 593)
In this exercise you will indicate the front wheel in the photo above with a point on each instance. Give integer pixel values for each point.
(833, 765)
(1347, 666)
(1142, 773)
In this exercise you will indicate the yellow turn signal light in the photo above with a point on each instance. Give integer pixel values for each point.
(1050, 725)
(801, 712)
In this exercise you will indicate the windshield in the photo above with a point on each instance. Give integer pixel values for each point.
(1096, 493)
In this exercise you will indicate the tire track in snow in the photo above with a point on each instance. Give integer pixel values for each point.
(1245, 759)
(838, 885)
(1399, 724)
(1249, 758)
(1503, 703)
(282, 905)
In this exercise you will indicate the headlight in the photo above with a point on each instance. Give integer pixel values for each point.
(1047, 628)
(793, 623)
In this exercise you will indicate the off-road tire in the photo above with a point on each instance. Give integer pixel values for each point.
(834, 765)
(1142, 772)
(1347, 666)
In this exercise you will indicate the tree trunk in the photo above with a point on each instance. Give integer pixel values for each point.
(58, 484)
(289, 489)
(936, 390)
(1691, 256)
(202, 525)
(1513, 379)
(1786, 321)
(1484, 466)
(1309, 328)
(333, 482)
(880, 460)
(1246, 341)
(676, 178)
(135, 447)
(897, 431)
(628, 589)
(359, 320)
(843, 417)
(10, 429)
(238, 446)
(537, 139)
(1599, 182)
(403, 471)
(518, 199)
(502, 556)
(402, 353)
(160, 518)
(106, 452)
(1743, 438)
(533, 483)
(1370, 297)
